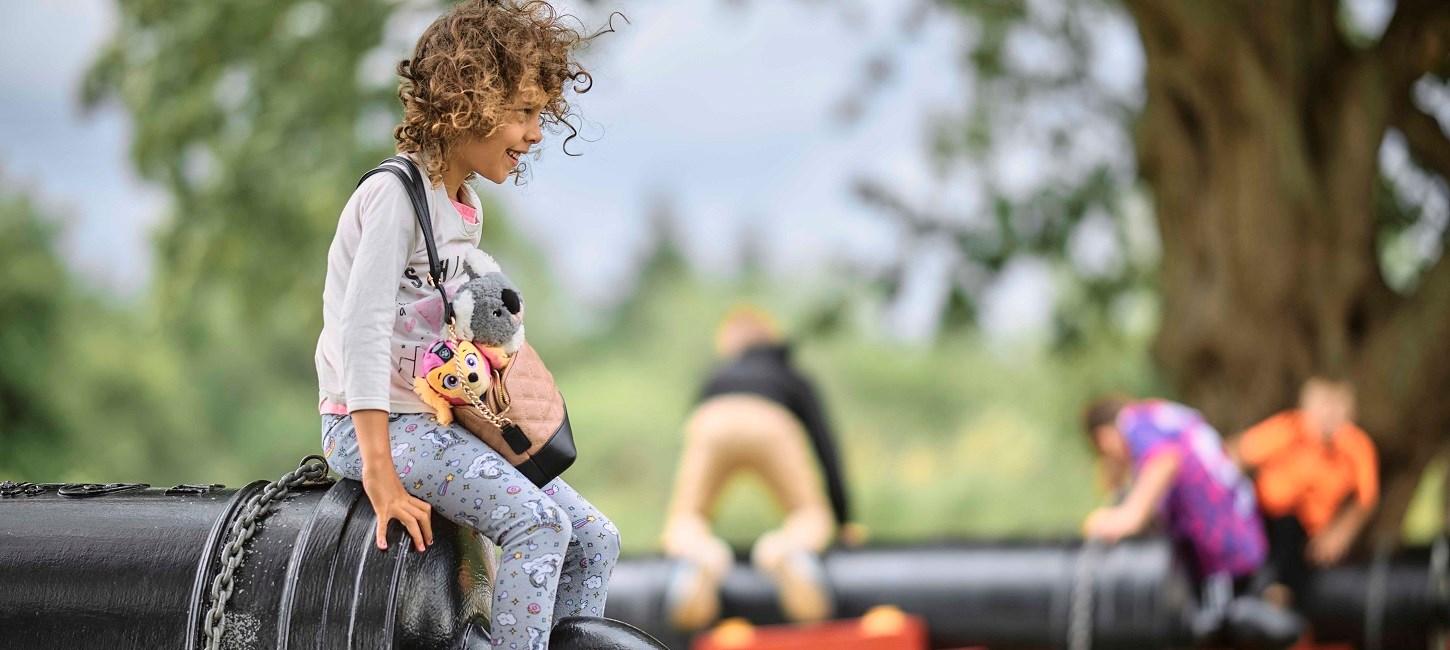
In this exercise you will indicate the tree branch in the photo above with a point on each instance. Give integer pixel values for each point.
(1404, 363)
(1428, 142)
(1416, 41)
(988, 248)
(1188, 26)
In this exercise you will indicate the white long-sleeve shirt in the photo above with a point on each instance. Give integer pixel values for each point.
(378, 311)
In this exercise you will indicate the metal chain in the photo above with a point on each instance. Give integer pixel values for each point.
(312, 470)
(501, 393)
(1080, 609)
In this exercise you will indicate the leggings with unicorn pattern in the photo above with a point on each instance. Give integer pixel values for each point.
(558, 550)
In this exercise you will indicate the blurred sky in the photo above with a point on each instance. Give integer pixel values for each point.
(728, 113)
(76, 164)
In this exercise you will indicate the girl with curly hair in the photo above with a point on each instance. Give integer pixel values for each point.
(482, 81)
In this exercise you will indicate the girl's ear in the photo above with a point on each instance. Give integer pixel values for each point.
(476, 263)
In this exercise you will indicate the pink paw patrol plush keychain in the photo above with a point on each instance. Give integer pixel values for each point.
(442, 381)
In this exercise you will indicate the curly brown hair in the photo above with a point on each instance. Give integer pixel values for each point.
(476, 59)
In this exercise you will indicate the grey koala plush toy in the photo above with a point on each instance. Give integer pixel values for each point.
(488, 309)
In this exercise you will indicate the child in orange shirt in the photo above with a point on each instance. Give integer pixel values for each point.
(1317, 478)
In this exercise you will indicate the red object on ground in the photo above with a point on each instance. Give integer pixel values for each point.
(883, 628)
(1307, 644)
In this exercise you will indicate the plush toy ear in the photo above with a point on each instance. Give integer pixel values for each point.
(439, 404)
(497, 356)
(463, 313)
(476, 263)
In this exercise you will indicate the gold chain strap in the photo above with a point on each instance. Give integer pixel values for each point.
(500, 393)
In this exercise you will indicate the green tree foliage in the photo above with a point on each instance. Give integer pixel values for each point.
(1047, 146)
(87, 391)
(257, 118)
(34, 293)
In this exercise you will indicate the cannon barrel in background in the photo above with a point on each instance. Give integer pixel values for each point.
(1393, 600)
(1002, 595)
(131, 569)
(1019, 595)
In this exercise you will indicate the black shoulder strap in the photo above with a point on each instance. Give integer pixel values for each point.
(412, 180)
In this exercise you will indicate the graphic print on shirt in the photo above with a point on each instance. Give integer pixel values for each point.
(418, 276)
(420, 323)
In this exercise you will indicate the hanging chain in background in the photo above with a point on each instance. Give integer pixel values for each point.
(1080, 608)
(1376, 593)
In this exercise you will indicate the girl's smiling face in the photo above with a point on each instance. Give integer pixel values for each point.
(496, 155)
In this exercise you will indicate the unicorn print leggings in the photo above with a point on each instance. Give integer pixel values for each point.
(558, 550)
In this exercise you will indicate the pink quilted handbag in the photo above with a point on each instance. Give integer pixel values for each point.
(524, 418)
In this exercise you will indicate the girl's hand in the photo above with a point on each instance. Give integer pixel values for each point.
(1110, 524)
(391, 501)
(853, 534)
(1327, 548)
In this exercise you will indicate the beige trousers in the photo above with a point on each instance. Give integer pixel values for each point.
(734, 433)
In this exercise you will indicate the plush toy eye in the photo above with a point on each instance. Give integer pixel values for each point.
(471, 360)
(498, 313)
(450, 381)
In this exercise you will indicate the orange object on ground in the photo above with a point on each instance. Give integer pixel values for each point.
(1301, 473)
(1308, 644)
(882, 628)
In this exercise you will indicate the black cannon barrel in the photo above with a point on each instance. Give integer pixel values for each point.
(1020, 594)
(1002, 595)
(127, 566)
(131, 569)
(1392, 600)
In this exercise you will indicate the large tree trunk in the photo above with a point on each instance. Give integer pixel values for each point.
(1260, 141)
